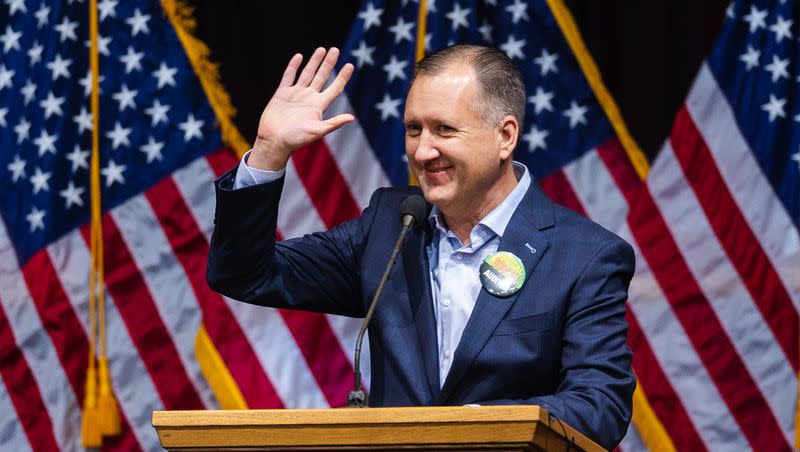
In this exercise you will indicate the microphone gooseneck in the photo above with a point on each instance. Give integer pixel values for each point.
(412, 212)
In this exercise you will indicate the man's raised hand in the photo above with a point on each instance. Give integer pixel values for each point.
(293, 117)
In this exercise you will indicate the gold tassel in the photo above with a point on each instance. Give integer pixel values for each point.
(90, 429)
(107, 409)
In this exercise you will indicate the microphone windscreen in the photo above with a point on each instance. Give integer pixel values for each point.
(415, 206)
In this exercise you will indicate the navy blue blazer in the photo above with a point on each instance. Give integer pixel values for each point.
(559, 342)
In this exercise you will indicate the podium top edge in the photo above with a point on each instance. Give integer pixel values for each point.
(388, 415)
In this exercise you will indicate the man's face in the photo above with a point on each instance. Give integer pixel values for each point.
(454, 154)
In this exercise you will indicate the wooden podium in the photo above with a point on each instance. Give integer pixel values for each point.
(496, 428)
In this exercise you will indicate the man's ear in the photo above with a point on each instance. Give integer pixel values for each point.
(509, 134)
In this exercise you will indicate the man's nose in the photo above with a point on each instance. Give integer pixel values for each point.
(426, 148)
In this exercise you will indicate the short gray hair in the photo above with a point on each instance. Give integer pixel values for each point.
(501, 83)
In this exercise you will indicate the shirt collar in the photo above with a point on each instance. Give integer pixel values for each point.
(497, 220)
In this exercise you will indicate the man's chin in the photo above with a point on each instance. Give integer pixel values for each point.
(437, 196)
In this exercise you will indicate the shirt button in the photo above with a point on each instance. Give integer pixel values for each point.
(458, 256)
(446, 302)
(447, 352)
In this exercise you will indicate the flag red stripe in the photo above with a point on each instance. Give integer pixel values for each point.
(558, 188)
(659, 391)
(735, 235)
(146, 329)
(222, 160)
(191, 249)
(652, 380)
(324, 355)
(65, 331)
(724, 365)
(327, 189)
(619, 165)
(23, 391)
(58, 319)
(703, 329)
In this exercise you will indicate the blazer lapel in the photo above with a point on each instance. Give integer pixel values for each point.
(417, 270)
(522, 238)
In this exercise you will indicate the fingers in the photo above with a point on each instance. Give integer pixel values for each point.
(329, 125)
(291, 70)
(311, 67)
(325, 69)
(337, 85)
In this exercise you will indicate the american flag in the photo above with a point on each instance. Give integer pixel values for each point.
(714, 303)
(715, 344)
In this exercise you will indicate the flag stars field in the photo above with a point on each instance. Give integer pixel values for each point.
(388, 107)
(371, 16)
(774, 107)
(778, 68)
(513, 47)
(395, 69)
(547, 62)
(40, 181)
(363, 55)
(535, 138)
(191, 128)
(756, 18)
(113, 173)
(36, 219)
(750, 58)
(17, 168)
(518, 11)
(72, 195)
(79, 159)
(402, 30)
(165, 75)
(541, 100)
(42, 15)
(458, 17)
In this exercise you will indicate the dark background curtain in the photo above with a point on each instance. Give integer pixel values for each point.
(647, 52)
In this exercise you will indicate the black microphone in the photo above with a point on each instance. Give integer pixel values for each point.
(412, 212)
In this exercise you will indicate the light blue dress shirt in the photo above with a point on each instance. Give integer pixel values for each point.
(455, 279)
(454, 266)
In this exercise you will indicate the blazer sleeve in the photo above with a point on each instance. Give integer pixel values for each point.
(318, 272)
(597, 382)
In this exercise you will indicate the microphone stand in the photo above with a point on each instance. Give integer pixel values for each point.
(357, 398)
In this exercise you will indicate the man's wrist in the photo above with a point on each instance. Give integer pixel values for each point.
(265, 155)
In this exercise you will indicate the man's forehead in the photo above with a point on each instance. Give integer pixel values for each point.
(456, 74)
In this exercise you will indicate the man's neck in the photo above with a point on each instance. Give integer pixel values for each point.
(462, 219)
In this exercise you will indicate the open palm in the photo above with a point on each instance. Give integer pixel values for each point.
(293, 117)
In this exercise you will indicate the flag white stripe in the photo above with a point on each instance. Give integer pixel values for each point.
(132, 384)
(195, 183)
(296, 385)
(167, 284)
(346, 331)
(297, 214)
(38, 349)
(282, 360)
(597, 191)
(749, 187)
(727, 295)
(12, 436)
(679, 360)
(353, 154)
(632, 442)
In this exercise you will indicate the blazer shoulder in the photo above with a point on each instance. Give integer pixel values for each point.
(584, 232)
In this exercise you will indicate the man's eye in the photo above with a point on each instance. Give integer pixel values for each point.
(412, 130)
(445, 129)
